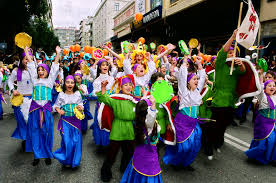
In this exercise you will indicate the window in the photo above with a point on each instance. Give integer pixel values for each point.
(173, 1)
(117, 6)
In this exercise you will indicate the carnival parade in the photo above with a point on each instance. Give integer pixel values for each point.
(136, 109)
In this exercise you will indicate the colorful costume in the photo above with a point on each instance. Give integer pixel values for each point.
(144, 166)
(70, 130)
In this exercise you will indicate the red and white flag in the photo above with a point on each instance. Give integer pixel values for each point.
(248, 30)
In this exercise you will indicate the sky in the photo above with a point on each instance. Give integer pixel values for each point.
(70, 12)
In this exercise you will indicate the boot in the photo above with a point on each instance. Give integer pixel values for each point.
(35, 162)
(106, 173)
(23, 145)
(48, 161)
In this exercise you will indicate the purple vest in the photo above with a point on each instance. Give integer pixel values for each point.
(263, 126)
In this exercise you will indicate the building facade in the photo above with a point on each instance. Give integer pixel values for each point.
(103, 20)
(66, 36)
(48, 16)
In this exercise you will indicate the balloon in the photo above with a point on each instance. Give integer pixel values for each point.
(86, 49)
(72, 48)
(141, 40)
(81, 54)
(105, 51)
(138, 17)
(65, 52)
(91, 50)
(77, 47)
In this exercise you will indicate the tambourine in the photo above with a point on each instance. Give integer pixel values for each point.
(193, 43)
(79, 114)
(85, 70)
(161, 48)
(183, 47)
(22, 40)
(127, 47)
(145, 47)
(120, 62)
(17, 100)
(162, 91)
(262, 64)
(152, 46)
(98, 54)
(58, 88)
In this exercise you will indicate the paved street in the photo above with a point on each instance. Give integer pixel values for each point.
(230, 166)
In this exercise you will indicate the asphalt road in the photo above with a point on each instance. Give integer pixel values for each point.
(229, 166)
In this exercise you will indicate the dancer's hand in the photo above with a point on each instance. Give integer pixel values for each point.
(15, 92)
(80, 108)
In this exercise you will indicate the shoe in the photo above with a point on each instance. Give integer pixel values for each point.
(83, 132)
(48, 161)
(189, 168)
(218, 150)
(234, 123)
(210, 158)
(23, 145)
(106, 173)
(273, 163)
(35, 162)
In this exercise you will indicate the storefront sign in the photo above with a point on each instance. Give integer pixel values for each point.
(152, 15)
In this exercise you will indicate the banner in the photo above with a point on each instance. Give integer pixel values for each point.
(248, 30)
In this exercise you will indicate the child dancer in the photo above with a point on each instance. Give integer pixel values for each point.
(144, 166)
(69, 154)
(122, 131)
(188, 132)
(40, 122)
(263, 146)
(84, 92)
(101, 137)
(25, 88)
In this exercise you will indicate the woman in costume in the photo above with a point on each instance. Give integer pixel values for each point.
(263, 145)
(121, 129)
(84, 92)
(144, 166)
(40, 122)
(101, 137)
(69, 154)
(188, 132)
(24, 87)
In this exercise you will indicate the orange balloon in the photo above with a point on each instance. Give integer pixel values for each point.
(139, 17)
(81, 54)
(105, 51)
(93, 47)
(72, 48)
(90, 50)
(141, 40)
(65, 51)
(77, 47)
(86, 49)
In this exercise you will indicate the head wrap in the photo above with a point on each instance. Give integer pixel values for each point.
(69, 77)
(46, 67)
(176, 59)
(147, 101)
(78, 74)
(269, 100)
(213, 58)
(101, 61)
(80, 62)
(190, 76)
(125, 80)
(24, 54)
(134, 67)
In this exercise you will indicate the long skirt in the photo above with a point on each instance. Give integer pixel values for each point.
(40, 140)
(70, 149)
(88, 116)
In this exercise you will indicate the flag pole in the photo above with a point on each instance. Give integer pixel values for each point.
(259, 42)
(236, 43)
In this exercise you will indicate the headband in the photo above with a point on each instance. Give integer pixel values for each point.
(46, 67)
(80, 62)
(190, 76)
(125, 80)
(135, 67)
(213, 58)
(101, 61)
(24, 54)
(69, 77)
(78, 74)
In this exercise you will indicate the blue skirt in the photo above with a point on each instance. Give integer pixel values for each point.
(132, 176)
(20, 131)
(70, 149)
(263, 151)
(40, 140)
(184, 153)
(54, 96)
(88, 116)
(101, 137)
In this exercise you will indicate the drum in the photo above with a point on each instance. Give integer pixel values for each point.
(162, 91)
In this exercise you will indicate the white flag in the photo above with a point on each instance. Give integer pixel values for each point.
(248, 30)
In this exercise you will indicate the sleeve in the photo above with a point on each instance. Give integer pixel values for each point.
(79, 100)
(127, 66)
(61, 75)
(182, 81)
(93, 72)
(150, 119)
(59, 102)
(152, 70)
(222, 56)
(1, 79)
(53, 73)
(114, 71)
(105, 99)
(96, 88)
(12, 79)
(202, 78)
(32, 71)
(84, 87)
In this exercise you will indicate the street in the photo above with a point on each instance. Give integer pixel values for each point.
(230, 165)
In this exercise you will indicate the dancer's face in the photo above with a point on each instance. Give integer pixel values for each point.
(42, 73)
(69, 85)
(270, 88)
(140, 71)
(193, 82)
(126, 88)
(104, 68)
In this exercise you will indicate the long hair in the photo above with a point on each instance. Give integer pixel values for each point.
(75, 88)
(141, 112)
